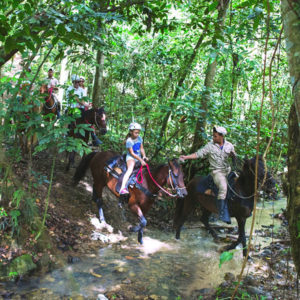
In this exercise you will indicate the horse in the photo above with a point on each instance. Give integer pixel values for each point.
(93, 116)
(240, 202)
(51, 104)
(141, 196)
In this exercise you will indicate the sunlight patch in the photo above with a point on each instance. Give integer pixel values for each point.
(152, 246)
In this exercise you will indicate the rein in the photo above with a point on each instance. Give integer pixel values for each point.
(50, 91)
(242, 197)
(140, 172)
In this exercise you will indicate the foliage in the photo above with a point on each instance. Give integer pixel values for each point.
(225, 256)
(147, 46)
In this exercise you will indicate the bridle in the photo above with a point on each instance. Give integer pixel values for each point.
(170, 176)
(251, 196)
(95, 117)
(173, 179)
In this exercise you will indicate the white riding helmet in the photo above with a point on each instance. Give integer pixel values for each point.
(75, 78)
(134, 126)
(81, 77)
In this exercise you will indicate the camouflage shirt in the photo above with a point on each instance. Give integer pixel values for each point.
(217, 157)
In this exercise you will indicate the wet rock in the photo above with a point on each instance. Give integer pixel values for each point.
(101, 297)
(73, 259)
(21, 265)
(99, 236)
(44, 263)
(250, 280)
(205, 293)
(229, 276)
(252, 290)
(266, 253)
(126, 281)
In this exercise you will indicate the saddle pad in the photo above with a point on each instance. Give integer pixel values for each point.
(117, 167)
(207, 183)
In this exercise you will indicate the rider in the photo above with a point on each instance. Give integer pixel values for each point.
(75, 92)
(218, 152)
(81, 84)
(135, 152)
(52, 85)
(79, 95)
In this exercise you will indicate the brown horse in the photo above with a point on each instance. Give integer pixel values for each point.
(141, 198)
(240, 202)
(93, 116)
(51, 105)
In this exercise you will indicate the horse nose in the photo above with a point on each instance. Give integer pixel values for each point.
(183, 193)
(103, 131)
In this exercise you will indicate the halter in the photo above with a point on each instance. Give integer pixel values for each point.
(173, 179)
(48, 99)
(96, 119)
(170, 175)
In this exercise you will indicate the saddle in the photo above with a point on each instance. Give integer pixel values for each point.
(117, 167)
(207, 186)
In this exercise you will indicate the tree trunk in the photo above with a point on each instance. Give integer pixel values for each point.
(209, 79)
(290, 11)
(185, 70)
(98, 82)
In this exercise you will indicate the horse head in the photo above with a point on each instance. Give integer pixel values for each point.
(265, 179)
(43, 89)
(175, 178)
(100, 120)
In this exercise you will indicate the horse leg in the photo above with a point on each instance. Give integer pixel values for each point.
(71, 160)
(184, 207)
(241, 238)
(205, 220)
(143, 222)
(97, 197)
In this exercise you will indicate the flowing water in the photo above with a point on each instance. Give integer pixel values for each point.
(162, 266)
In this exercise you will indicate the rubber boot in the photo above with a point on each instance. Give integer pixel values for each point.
(223, 211)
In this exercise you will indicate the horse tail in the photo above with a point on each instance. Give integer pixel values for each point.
(82, 168)
(178, 212)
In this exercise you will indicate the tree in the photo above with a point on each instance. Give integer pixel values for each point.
(291, 20)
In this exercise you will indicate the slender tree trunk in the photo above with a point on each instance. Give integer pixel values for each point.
(291, 20)
(209, 78)
(182, 76)
(98, 82)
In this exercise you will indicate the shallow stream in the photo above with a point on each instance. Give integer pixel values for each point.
(162, 266)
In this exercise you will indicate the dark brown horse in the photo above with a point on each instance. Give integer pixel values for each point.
(50, 104)
(93, 116)
(140, 199)
(240, 203)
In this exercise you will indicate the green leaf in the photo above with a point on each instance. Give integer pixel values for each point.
(9, 44)
(213, 6)
(225, 256)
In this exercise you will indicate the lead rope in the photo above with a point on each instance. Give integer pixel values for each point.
(141, 181)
